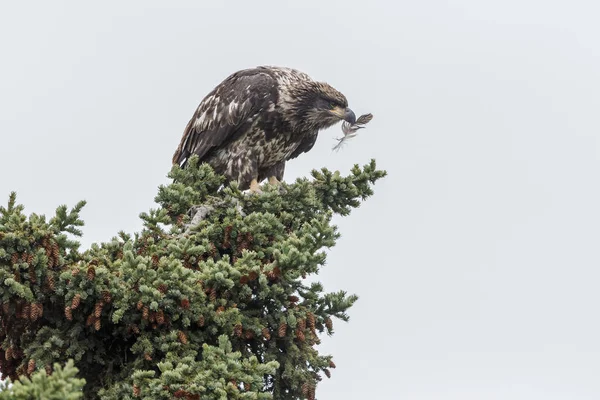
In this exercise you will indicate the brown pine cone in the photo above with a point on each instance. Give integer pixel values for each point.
(311, 321)
(160, 317)
(237, 330)
(328, 323)
(51, 282)
(106, 296)
(68, 313)
(76, 301)
(91, 273)
(182, 337)
(31, 366)
(302, 324)
(266, 334)
(282, 329)
(185, 304)
(98, 308)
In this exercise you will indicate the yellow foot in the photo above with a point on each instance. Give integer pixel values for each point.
(273, 181)
(254, 188)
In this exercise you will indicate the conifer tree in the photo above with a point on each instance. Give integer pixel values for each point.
(210, 300)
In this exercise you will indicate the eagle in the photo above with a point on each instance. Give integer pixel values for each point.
(256, 119)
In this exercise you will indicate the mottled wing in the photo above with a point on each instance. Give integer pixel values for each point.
(305, 145)
(364, 119)
(226, 113)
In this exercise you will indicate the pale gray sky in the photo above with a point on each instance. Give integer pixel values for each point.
(476, 261)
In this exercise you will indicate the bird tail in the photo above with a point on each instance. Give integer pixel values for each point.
(181, 153)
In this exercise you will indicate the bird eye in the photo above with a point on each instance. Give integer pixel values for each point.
(332, 106)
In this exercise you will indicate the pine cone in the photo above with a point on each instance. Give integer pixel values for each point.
(300, 335)
(48, 369)
(31, 366)
(76, 301)
(311, 321)
(15, 258)
(8, 354)
(227, 237)
(249, 334)
(106, 297)
(68, 313)
(155, 260)
(252, 275)
(91, 273)
(32, 277)
(220, 309)
(311, 394)
(327, 372)
(185, 304)
(302, 324)
(147, 357)
(51, 282)
(266, 334)
(136, 391)
(282, 329)
(247, 386)
(140, 305)
(145, 312)
(331, 364)
(213, 294)
(182, 337)
(328, 323)
(160, 317)
(90, 320)
(26, 311)
(37, 310)
(305, 388)
(201, 320)
(98, 308)
(237, 330)
(55, 252)
(162, 288)
(97, 324)
(293, 299)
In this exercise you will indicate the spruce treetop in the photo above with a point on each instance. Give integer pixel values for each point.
(210, 300)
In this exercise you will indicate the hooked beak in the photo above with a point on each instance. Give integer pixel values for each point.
(349, 116)
(345, 114)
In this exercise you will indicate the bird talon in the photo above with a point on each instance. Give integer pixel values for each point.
(254, 187)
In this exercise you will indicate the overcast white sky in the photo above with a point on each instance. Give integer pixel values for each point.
(476, 261)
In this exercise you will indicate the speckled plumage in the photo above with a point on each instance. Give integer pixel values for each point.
(256, 119)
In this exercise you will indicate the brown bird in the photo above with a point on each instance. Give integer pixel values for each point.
(248, 126)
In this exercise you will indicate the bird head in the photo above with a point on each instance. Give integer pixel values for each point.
(317, 105)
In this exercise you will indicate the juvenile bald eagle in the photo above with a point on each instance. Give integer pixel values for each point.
(256, 119)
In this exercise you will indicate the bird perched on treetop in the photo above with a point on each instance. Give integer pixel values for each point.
(248, 126)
